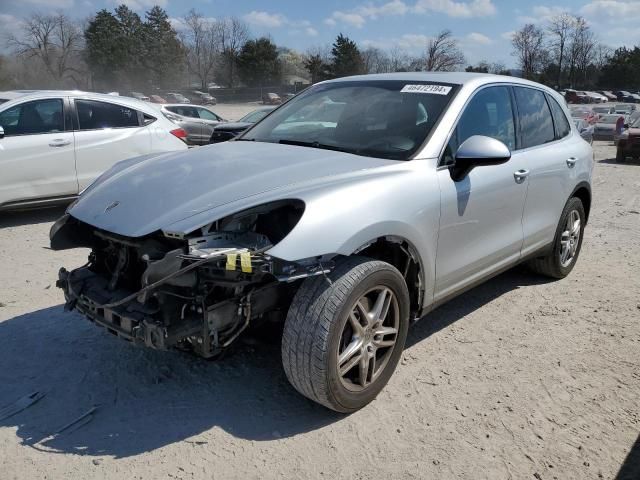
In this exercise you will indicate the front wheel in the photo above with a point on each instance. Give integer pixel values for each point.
(345, 333)
(620, 157)
(567, 243)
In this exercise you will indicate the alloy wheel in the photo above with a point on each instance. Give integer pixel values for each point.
(570, 239)
(368, 338)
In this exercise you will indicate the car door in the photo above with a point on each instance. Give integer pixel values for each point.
(37, 152)
(209, 121)
(551, 153)
(106, 133)
(481, 214)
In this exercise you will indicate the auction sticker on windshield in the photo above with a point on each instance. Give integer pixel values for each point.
(435, 89)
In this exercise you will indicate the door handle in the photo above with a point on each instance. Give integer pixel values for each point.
(571, 162)
(521, 175)
(59, 142)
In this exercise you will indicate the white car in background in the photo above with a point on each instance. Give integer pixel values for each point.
(53, 144)
(597, 97)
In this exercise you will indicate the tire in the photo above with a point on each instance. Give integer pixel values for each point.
(552, 265)
(620, 156)
(320, 327)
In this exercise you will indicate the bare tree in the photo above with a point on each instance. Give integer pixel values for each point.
(602, 55)
(443, 53)
(497, 68)
(560, 28)
(233, 35)
(398, 59)
(375, 60)
(581, 50)
(528, 48)
(56, 41)
(201, 40)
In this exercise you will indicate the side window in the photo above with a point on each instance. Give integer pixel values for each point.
(536, 124)
(207, 114)
(559, 119)
(93, 115)
(39, 116)
(184, 111)
(489, 113)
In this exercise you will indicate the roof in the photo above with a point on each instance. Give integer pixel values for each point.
(456, 78)
(12, 95)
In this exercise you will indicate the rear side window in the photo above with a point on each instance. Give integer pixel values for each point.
(206, 114)
(489, 113)
(559, 119)
(93, 115)
(39, 116)
(536, 123)
(184, 111)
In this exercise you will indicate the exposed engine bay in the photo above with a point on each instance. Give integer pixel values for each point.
(197, 292)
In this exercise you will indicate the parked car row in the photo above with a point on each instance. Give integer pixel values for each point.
(601, 123)
(602, 96)
(195, 96)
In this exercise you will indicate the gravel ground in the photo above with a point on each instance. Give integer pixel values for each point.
(519, 378)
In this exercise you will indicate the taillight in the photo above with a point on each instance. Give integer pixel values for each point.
(180, 133)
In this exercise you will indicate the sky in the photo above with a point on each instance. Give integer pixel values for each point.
(483, 27)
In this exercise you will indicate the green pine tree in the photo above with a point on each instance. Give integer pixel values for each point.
(346, 58)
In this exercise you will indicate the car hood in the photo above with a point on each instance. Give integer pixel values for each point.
(142, 195)
(233, 126)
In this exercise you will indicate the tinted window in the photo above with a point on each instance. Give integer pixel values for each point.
(536, 124)
(489, 113)
(94, 115)
(184, 111)
(559, 119)
(207, 114)
(40, 116)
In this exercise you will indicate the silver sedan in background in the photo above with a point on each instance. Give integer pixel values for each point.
(196, 120)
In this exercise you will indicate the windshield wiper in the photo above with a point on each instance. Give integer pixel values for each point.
(316, 144)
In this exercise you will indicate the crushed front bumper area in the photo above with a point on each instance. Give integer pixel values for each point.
(87, 293)
(207, 331)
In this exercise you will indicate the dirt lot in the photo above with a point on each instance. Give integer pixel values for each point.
(519, 378)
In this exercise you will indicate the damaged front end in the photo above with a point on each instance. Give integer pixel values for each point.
(196, 292)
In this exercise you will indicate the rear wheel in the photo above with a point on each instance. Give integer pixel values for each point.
(344, 333)
(620, 157)
(567, 244)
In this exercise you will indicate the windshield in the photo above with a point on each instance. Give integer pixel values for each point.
(254, 116)
(385, 119)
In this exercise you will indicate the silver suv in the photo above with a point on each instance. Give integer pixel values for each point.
(347, 213)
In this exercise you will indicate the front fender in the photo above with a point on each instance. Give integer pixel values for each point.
(341, 221)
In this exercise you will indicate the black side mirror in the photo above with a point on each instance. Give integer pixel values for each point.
(1, 132)
(477, 151)
(626, 125)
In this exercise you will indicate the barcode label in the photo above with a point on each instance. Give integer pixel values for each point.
(434, 89)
